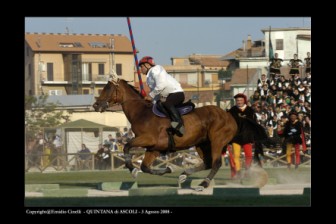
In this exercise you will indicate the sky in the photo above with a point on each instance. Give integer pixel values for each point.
(167, 37)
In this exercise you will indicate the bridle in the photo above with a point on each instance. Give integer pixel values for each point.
(114, 83)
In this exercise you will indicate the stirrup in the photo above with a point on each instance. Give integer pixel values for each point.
(178, 127)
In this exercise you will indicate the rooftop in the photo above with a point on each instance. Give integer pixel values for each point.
(71, 100)
(285, 29)
(60, 42)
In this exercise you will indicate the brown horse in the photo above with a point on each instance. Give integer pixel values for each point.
(208, 128)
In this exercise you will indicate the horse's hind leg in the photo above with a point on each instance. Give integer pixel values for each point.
(148, 160)
(206, 164)
(217, 145)
(217, 163)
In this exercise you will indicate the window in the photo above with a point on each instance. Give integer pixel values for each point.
(74, 57)
(119, 69)
(90, 71)
(66, 45)
(86, 91)
(55, 92)
(195, 97)
(29, 70)
(101, 69)
(85, 72)
(279, 44)
(75, 44)
(97, 44)
(50, 71)
(207, 82)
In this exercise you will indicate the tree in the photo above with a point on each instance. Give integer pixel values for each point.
(224, 75)
(39, 114)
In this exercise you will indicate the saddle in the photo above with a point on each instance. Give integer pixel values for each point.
(183, 109)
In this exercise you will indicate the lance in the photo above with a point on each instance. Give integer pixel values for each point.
(142, 91)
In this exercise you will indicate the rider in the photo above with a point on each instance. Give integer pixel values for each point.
(165, 89)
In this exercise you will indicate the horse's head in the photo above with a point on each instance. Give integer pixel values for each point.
(109, 95)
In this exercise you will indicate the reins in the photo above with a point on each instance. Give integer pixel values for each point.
(116, 84)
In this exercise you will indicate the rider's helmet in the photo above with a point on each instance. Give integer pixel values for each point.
(147, 59)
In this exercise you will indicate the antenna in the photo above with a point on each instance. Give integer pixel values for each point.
(68, 22)
(38, 42)
(112, 71)
(39, 64)
(112, 43)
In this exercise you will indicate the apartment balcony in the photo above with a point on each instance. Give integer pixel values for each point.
(98, 79)
(55, 82)
(85, 80)
(101, 78)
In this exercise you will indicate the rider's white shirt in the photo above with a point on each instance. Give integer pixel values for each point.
(160, 82)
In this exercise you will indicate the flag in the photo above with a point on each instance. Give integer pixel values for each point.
(270, 47)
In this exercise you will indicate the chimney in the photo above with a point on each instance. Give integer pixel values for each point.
(249, 42)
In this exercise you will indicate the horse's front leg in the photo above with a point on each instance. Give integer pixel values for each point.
(141, 141)
(183, 176)
(128, 157)
(148, 160)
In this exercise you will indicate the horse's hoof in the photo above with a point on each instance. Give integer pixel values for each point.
(171, 169)
(205, 183)
(182, 178)
(135, 172)
(199, 188)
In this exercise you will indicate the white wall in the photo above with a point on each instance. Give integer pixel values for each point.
(112, 119)
(290, 43)
(304, 46)
(255, 63)
(76, 138)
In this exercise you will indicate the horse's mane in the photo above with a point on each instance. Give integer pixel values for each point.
(149, 104)
(134, 89)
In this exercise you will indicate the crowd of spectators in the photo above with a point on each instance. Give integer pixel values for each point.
(276, 96)
(103, 160)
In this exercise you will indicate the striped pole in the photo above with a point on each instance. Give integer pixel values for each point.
(142, 91)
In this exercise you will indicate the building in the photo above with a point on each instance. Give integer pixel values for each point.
(198, 75)
(67, 64)
(289, 41)
(244, 81)
(252, 57)
(285, 41)
(79, 107)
